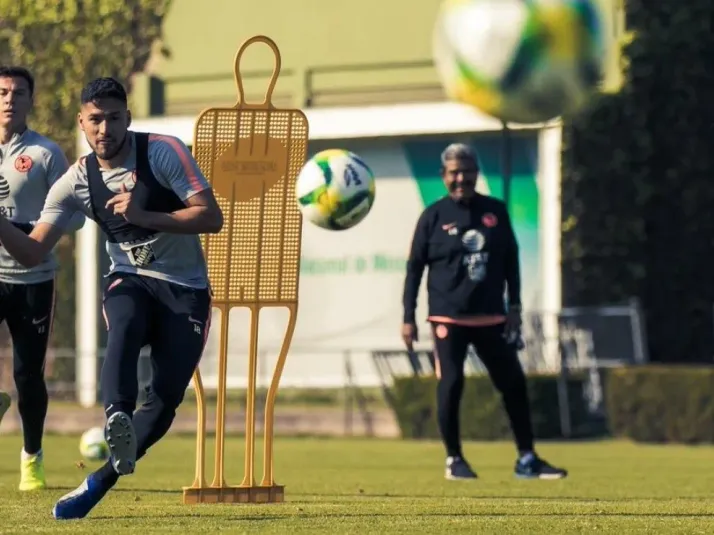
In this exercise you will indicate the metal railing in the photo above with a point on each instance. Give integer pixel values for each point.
(312, 90)
(586, 341)
(608, 336)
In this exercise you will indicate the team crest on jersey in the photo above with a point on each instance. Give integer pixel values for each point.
(489, 220)
(23, 163)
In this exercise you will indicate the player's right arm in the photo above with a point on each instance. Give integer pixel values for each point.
(416, 263)
(60, 206)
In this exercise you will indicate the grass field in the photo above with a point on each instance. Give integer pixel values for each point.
(382, 486)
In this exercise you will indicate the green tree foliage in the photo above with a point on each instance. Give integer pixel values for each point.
(66, 43)
(637, 183)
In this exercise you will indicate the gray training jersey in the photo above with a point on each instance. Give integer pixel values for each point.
(29, 165)
(178, 257)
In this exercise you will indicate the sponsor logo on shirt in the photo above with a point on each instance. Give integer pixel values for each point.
(4, 188)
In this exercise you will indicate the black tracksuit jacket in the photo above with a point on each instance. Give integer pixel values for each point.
(472, 255)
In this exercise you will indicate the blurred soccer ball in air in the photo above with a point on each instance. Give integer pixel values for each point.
(521, 61)
(335, 189)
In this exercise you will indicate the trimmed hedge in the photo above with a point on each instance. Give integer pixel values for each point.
(482, 413)
(662, 404)
(653, 404)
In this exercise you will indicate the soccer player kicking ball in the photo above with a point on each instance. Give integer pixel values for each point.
(148, 195)
(29, 165)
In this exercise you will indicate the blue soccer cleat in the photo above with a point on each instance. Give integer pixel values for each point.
(79, 502)
(458, 468)
(533, 467)
(121, 439)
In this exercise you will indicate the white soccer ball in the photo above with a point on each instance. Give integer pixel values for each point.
(93, 446)
(518, 61)
(335, 189)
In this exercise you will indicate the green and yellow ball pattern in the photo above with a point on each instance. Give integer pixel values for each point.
(521, 61)
(335, 189)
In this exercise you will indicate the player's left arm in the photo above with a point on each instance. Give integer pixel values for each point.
(56, 165)
(174, 166)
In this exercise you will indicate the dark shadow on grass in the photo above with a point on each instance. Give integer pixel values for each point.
(500, 515)
(305, 516)
(189, 516)
(542, 498)
(151, 491)
(142, 491)
(302, 496)
(509, 515)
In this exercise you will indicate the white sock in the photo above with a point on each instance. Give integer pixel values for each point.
(25, 456)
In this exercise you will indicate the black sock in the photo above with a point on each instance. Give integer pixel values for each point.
(107, 475)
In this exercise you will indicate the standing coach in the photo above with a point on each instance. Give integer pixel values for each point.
(467, 241)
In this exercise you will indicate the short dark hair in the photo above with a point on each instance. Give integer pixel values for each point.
(100, 88)
(13, 71)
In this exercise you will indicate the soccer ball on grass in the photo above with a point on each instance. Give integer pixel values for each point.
(93, 446)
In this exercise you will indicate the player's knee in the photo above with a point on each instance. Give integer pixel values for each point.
(165, 413)
(27, 380)
(451, 382)
(511, 379)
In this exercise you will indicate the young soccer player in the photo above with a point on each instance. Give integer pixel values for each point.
(149, 196)
(29, 165)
